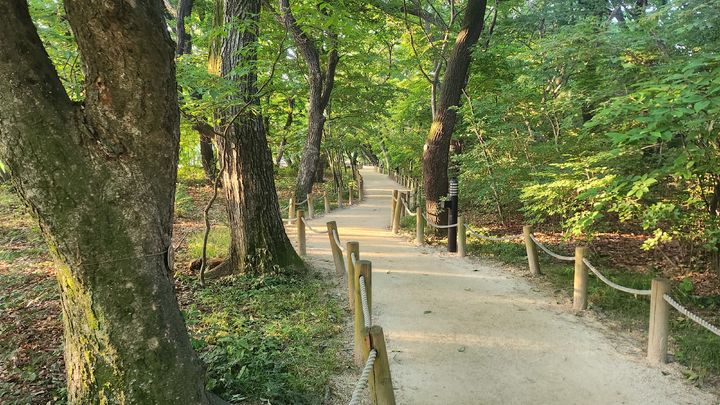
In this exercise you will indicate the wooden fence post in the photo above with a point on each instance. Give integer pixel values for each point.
(350, 195)
(326, 201)
(301, 232)
(398, 211)
(361, 193)
(291, 208)
(419, 227)
(337, 254)
(365, 270)
(311, 207)
(350, 248)
(380, 380)
(340, 198)
(461, 236)
(531, 250)
(659, 322)
(580, 280)
(393, 202)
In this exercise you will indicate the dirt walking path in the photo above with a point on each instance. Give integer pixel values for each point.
(465, 331)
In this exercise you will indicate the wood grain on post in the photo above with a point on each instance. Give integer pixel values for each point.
(291, 208)
(311, 207)
(580, 280)
(350, 195)
(396, 218)
(659, 322)
(393, 202)
(301, 232)
(351, 247)
(531, 250)
(364, 268)
(461, 236)
(326, 201)
(361, 193)
(335, 249)
(380, 380)
(419, 227)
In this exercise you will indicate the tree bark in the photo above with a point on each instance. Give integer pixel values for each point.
(286, 129)
(258, 240)
(437, 146)
(207, 151)
(205, 131)
(321, 84)
(184, 39)
(100, 178)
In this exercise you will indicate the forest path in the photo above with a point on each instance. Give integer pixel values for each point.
(490, 336)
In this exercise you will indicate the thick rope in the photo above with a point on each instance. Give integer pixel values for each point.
(302, 202)
(289, 220)
(705, 324)
(438, 226)
(337, 241)
(407, 209)
(548, 251)
(311, 228)
(613, 285)
(492, 238)
(364, 300)
(364, 376)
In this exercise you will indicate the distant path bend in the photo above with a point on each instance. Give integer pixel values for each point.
(463, 331)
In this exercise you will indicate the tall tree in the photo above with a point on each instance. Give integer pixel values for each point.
(320, 83)
(437, 146)
(258, 238)
(205, 131)
(100, 178)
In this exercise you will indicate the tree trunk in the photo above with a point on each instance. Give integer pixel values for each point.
(321, 85)
(437, 146)
(258, 239)
(100, 178)
(286, 129)
(184, 39)
(207, 151)
(320, 170)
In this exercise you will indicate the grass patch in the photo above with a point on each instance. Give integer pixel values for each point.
(218, 242)
(274, 338)
(184, 203)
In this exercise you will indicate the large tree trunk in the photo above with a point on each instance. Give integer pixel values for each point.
(205, 131)
(321, 85)
(207, 151)
(286, 129)
(437, 145)
(100, 178)
(184, 39)
(258, 240)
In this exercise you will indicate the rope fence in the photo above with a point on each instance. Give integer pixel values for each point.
(693, 317)
(658, 293)
(611, 284)
(364, 300)
(549, 252)
(362, 382)
(492, 238)
(369, 341)
(311, 228)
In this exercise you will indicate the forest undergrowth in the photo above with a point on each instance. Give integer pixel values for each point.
(273, 339)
